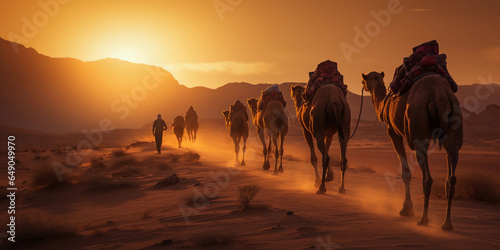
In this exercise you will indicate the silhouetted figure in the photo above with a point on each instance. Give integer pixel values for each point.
(158, 127)
(178, 125)
(191, 120)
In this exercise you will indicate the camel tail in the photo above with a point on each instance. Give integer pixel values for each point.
(337, 114)
(443, 107)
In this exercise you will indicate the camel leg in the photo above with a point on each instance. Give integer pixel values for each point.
(269, 149)
(266, 165)
(236, 148)
(421, 151)
(244, 149)
(328, 142)
(276, 154)
(314, 159)
(320, 142)
(398, 143)
(343, 162)
(282, 137)
(452, 156)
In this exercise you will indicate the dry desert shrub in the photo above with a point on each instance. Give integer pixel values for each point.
(147, 214)
(45, 176)
(246, 195)
(123, 161)
(119, 152)
(190, 157)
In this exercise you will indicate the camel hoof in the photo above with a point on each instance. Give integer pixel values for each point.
(281, 170)
(406, 212)
(329, 177)
(242, 163)
(423, 222)
(447, 226)
(266, 165)
(341, 190)
(275, 172)
(321, 190)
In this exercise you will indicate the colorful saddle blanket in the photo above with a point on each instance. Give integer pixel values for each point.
(325, 73)
(425, 60)
(272, 93)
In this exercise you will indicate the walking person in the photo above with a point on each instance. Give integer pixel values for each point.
(159, 126)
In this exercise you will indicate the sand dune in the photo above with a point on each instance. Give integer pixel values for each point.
(117, 206)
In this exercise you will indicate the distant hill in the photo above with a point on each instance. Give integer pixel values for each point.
(61, 95)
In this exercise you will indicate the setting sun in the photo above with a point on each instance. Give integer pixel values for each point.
(128, 54)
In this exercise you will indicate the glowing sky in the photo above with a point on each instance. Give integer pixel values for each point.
(212, 42)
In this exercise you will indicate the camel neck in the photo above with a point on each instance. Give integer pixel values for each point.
(378, 95)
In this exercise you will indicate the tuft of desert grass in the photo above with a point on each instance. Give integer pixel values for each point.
(123, 161)
(212, 237)
(30, 229)
(190, 157)
(147, 214)
(246, 195)
(45, 176)
(472, 186)
(119, 152)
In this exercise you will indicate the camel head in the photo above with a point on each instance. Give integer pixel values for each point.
(373, 80)
(226, 117)
(296, 94)
(252, 104)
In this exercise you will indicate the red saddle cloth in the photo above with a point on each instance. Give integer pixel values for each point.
(325, 73)
(272, 93)
(425, 60)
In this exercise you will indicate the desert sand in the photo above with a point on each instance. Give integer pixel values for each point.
(117, 206)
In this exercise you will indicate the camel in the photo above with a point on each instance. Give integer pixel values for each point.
(428, 111)
(273, 120)
(237, 124)
(326, 114)
(191, 119)
(179, 126)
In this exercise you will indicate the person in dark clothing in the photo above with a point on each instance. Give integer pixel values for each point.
(159, 126)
